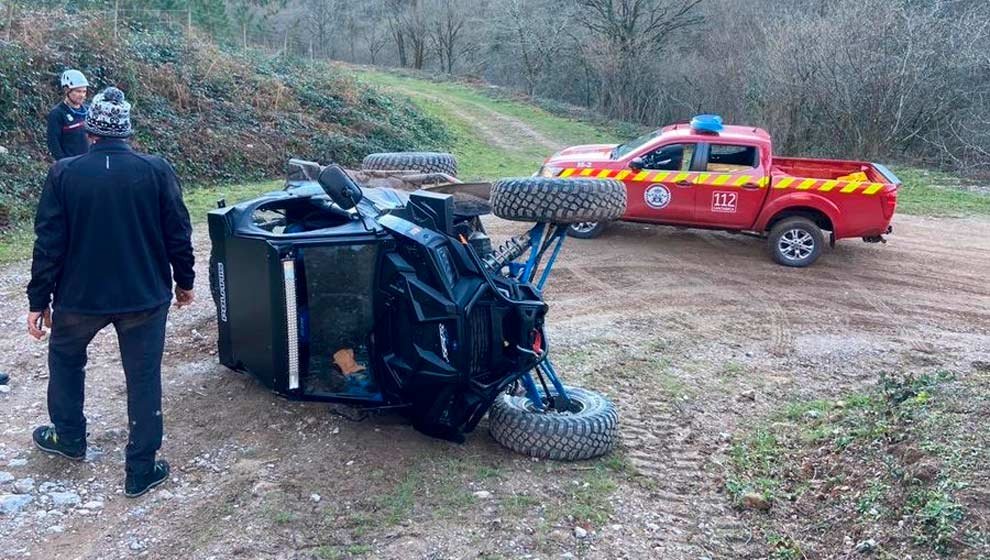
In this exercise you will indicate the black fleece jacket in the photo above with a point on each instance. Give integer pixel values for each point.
(110, 225)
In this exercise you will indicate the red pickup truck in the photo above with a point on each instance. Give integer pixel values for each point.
(704, 174)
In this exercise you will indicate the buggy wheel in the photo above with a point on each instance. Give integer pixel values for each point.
(558, 201)
(590, 431)
(586, 230)
(425, 162)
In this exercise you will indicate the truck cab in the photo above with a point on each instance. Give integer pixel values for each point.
(705, 174)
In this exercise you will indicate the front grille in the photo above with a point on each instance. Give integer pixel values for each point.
(479, 325)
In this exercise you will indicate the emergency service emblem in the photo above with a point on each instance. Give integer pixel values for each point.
(657, 196)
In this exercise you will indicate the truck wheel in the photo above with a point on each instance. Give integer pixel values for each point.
(559, 201)
(796, 242)
(426, 162)
(586, 230)
(591, 431)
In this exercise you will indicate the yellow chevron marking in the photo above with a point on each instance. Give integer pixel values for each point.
(702, 179)
(873, 188)
(641, 176)
(764, 181)
(850, 186)
(806, 184)
(680, 177)
(567, 172)
(660, 176)
(622, 174)
(741, 180)
(828, 185)
(721, 179)
(604, 173)
(782, 184)
(586, 172)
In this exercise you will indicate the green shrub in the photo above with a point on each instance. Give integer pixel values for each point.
(218, 114)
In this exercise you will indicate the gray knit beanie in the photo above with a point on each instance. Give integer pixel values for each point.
(109, 115)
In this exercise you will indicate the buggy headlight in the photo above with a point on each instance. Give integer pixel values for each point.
(550, 171)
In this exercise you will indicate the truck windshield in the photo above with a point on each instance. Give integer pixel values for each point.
(623, 149)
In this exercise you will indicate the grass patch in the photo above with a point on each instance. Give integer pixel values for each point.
(938, 517)
(468, 112)
(397, 505)
(933, 193)
(587, 501)
(517, 505)
(878, 462)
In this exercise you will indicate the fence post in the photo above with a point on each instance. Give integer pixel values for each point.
(10, 20)
(189, 20)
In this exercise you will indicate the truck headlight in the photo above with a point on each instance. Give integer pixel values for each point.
(549, 171)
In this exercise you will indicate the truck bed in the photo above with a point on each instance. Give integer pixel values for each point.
(830, 169)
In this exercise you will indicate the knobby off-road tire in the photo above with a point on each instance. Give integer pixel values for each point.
(426, 162)
(570, 436)
(558, 201)
(796, 242)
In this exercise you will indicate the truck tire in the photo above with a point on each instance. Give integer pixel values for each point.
(586, 230)
(796, 242)
(559, 201)
(562, 436)
(425, 162)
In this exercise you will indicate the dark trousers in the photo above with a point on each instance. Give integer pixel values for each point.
(141, 336)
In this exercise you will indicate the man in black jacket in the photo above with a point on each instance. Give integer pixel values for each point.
(112, 235)
(67, 120)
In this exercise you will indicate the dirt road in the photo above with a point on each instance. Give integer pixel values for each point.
(691, 333)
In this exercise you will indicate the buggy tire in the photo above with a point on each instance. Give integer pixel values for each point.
(591, 432)
(796, 242)
(425, 162)
(586, 230)
(558, 201)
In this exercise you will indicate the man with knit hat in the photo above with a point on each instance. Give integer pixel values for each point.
(112, 235)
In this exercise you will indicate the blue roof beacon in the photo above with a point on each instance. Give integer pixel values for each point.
(711, 124)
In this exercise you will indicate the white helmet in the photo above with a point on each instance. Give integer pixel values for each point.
(73, 79)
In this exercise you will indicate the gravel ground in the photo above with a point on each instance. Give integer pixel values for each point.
(691, 333)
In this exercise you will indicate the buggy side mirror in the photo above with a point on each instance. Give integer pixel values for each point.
(636, 163)
(340, 187)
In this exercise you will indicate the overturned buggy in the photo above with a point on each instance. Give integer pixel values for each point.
(381, 298)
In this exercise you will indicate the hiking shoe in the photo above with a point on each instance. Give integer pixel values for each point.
(4, 378)
(48, 441)
(138, 484)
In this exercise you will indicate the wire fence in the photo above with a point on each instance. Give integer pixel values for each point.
(118, 15)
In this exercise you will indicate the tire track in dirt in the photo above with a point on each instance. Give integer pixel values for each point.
(519, 128)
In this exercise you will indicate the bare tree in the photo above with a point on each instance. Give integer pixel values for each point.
(319, 19)
(447, 30)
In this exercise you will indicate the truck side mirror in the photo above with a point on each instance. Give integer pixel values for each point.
(339, 187)
(636, 163)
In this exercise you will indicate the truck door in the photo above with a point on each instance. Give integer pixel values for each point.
(733, 186)
(660, 185)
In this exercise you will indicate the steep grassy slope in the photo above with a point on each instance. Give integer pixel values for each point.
(217, 116)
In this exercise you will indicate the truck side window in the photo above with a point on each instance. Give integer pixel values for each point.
(675, 157)
(729, 158)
